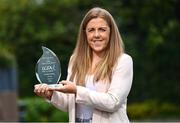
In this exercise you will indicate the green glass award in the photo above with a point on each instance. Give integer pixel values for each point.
(48, 68)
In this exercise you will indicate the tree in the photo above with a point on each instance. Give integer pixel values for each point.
(150, 31)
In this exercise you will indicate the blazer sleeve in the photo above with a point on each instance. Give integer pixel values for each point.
(118, 91)
(59, 99)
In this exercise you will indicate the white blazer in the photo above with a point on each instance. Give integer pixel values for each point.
(110, 104)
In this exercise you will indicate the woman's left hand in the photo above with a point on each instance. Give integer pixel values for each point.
(68, 87)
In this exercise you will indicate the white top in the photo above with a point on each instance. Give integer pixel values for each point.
(84, 111)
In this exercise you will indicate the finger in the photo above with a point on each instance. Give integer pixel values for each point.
(63, 82)
(61, 88)
(39, 89)
(43, 88)
(57, 88)
(46, 88)
(36, 87)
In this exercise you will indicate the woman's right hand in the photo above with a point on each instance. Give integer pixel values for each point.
(43, 91)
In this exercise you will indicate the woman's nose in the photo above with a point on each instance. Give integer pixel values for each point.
(96, 33)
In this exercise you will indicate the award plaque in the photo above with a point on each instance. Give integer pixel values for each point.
(48, 68)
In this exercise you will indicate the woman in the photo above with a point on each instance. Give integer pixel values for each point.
(99, 74)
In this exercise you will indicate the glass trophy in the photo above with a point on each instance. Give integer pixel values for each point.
(48, 68)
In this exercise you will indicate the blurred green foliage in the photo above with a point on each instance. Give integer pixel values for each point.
(149, 29)
(7, 58)
(39, 110)
(153, 109)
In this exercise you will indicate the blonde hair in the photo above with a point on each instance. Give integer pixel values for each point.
(81, 60)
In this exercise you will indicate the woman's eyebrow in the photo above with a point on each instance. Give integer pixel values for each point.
(98, 27)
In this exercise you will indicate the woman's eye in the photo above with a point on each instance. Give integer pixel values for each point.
(90, 30)
(101, 29)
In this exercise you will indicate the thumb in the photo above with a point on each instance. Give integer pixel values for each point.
(63, 82)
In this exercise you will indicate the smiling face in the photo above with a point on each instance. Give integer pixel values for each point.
(98, 33)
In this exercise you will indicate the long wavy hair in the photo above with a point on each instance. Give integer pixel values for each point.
(81, 59)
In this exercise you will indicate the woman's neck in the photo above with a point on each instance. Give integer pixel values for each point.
(96, 58)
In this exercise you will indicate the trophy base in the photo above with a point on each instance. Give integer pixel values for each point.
(55, 86)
